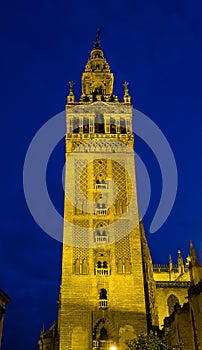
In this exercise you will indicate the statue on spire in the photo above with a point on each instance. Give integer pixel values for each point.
(70, 97)
(97, 39)
(126, 97)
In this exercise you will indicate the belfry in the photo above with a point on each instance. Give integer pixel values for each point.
(109, 286)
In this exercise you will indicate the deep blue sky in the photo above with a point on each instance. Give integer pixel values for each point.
(156, 46)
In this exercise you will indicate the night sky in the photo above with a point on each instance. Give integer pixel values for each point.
(154, 45)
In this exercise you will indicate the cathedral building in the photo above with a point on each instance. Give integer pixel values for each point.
(110, 291)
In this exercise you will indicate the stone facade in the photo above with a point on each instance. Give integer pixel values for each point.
(185, 322)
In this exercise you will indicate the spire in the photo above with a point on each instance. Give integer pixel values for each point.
(97, 39)
(42, 330)
(170, 263)
(193, 258)
(180, 263)
(71, 97)
(126, 97)
(97, 80)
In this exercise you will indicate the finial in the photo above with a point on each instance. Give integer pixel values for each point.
(126, 97)
(70, 97)
(180, 262)
(42, 330)
(125, 84)
(97, 39)
(193, 257)
(170, 262)
(71, 84)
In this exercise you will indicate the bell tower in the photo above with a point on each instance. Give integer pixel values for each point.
(102, 297)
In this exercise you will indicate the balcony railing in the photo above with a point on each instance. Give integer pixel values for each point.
(103, 303)
(102, 271)
(102, 344)
(101, 186)
(101, 239)
(100, 211)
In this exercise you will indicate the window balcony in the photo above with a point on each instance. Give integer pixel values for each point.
(102, 344)
(103, 303)
(101, 239)
(101, 186)
(102, 271)
(100, 211)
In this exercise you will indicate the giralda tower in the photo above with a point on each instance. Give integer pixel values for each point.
(102, 295)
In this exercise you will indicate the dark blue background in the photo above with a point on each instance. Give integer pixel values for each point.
(156, 46)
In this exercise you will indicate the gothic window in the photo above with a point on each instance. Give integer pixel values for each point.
(171, 302)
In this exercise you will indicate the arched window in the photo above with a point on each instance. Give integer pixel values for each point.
(103, 294)
(99, 265)
(112, 126)
(103, 302)
(84, 267)
(99, 123)
(100, 236)
(103, 334)
(86, 126)
(171, 302)
(77, 267)
(76, 125)
(123, 126)
(105, 265)
(127, 266)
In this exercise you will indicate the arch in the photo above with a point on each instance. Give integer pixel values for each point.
(107, 324)
(171, 302)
